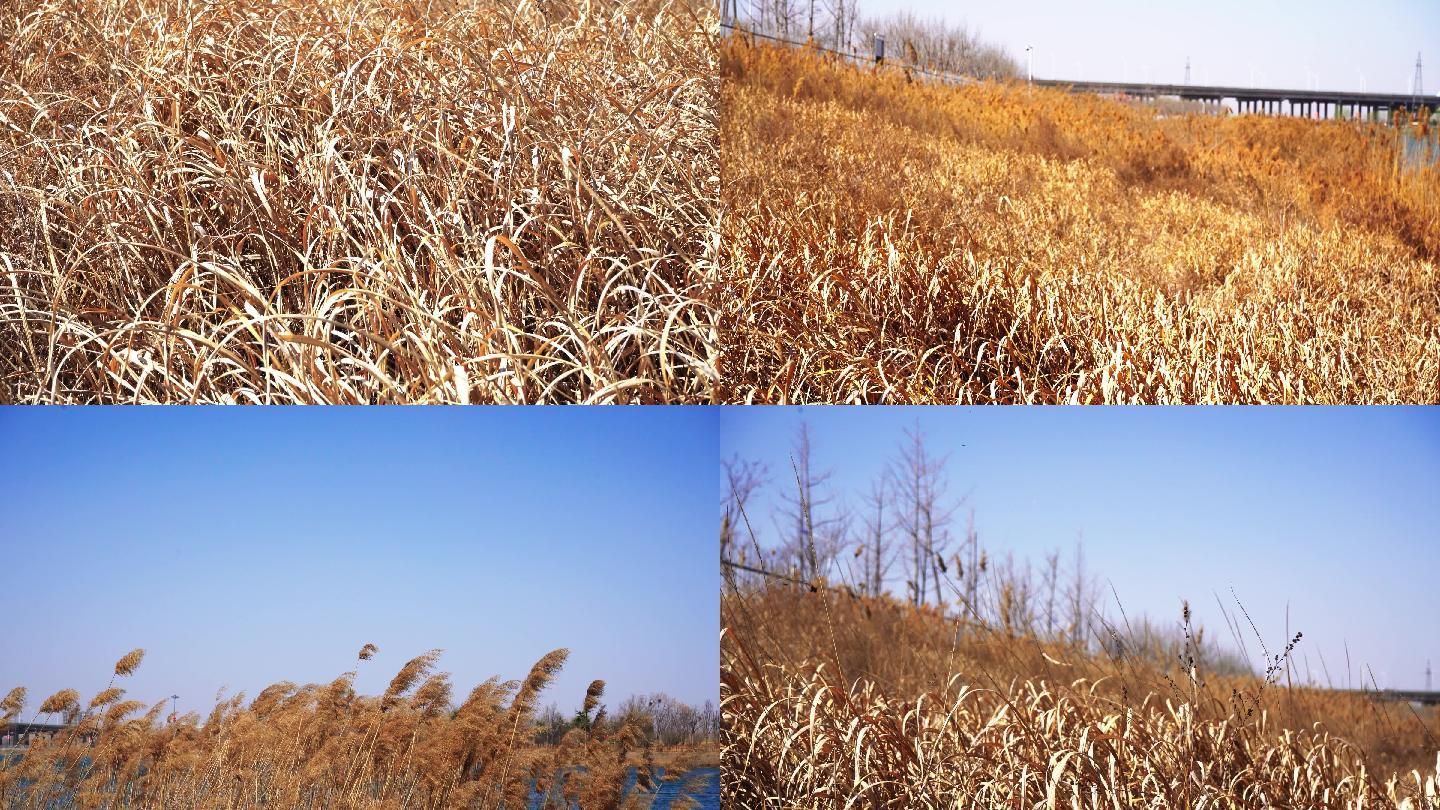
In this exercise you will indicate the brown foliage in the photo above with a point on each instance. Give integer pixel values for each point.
(895, 241)
(830, 698)
(356, 202)
(320, 746)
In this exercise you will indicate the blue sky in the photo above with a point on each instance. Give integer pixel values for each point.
(1291, 44)
(247, 546)
(1331, 511)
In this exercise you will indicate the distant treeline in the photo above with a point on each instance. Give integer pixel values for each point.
(931, 43)
(662, 719)
(905, 536)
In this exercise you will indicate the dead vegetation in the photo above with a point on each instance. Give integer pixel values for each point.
(874, 657)
(831, 698)
(356, 202)
(324, 745)
(888, 239)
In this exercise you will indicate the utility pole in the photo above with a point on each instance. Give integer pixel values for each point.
(1418, 89)
(174, 708)
(1427, 675)
(1187, 71)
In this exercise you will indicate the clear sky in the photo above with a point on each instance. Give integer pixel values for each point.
(1333, 511)
(248, 546)
(1290, 44)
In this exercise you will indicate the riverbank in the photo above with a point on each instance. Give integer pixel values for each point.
(896, 241)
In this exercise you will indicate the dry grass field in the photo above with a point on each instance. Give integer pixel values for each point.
(890, 240)
(357, 201)
(836, 700)
(324, 746)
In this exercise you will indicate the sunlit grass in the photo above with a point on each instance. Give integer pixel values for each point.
(892, 240)
(357, 202)
(832, 699)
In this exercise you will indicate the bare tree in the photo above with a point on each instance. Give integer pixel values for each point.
(817, 525)
(922, 517)
(875, 552)
(843, 15)
(1051, 581)
(937, 45)
(828, 23)
(1083, 596)
(742, 478)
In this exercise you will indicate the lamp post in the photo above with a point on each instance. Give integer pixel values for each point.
(1029, 64)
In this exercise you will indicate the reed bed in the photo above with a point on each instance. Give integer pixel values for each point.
(832, 700)
(891, 240)
(324, 745)
(372, 201)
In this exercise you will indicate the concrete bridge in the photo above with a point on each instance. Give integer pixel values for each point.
(1402, 696)
(20, 735)
(1303, 103)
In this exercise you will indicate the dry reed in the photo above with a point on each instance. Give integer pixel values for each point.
(832, 700)
(324, 745)
(893, 240)
(356, 202)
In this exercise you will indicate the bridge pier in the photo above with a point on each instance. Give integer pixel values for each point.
(1309, 104)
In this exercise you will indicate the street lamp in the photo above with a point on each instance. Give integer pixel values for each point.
(1029, 64)
(174, 707)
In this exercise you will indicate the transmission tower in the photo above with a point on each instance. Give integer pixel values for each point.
(1187, 70)
(1419, 89)
(1427, 676)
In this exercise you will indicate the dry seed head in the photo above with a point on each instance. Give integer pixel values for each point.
(107, 697)
(417, 668)
(433, 696)
(540, 677)
(368, 651)
(129, 662)
(12, 704)
(63, 701)
(593, 694)
(120, 710)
